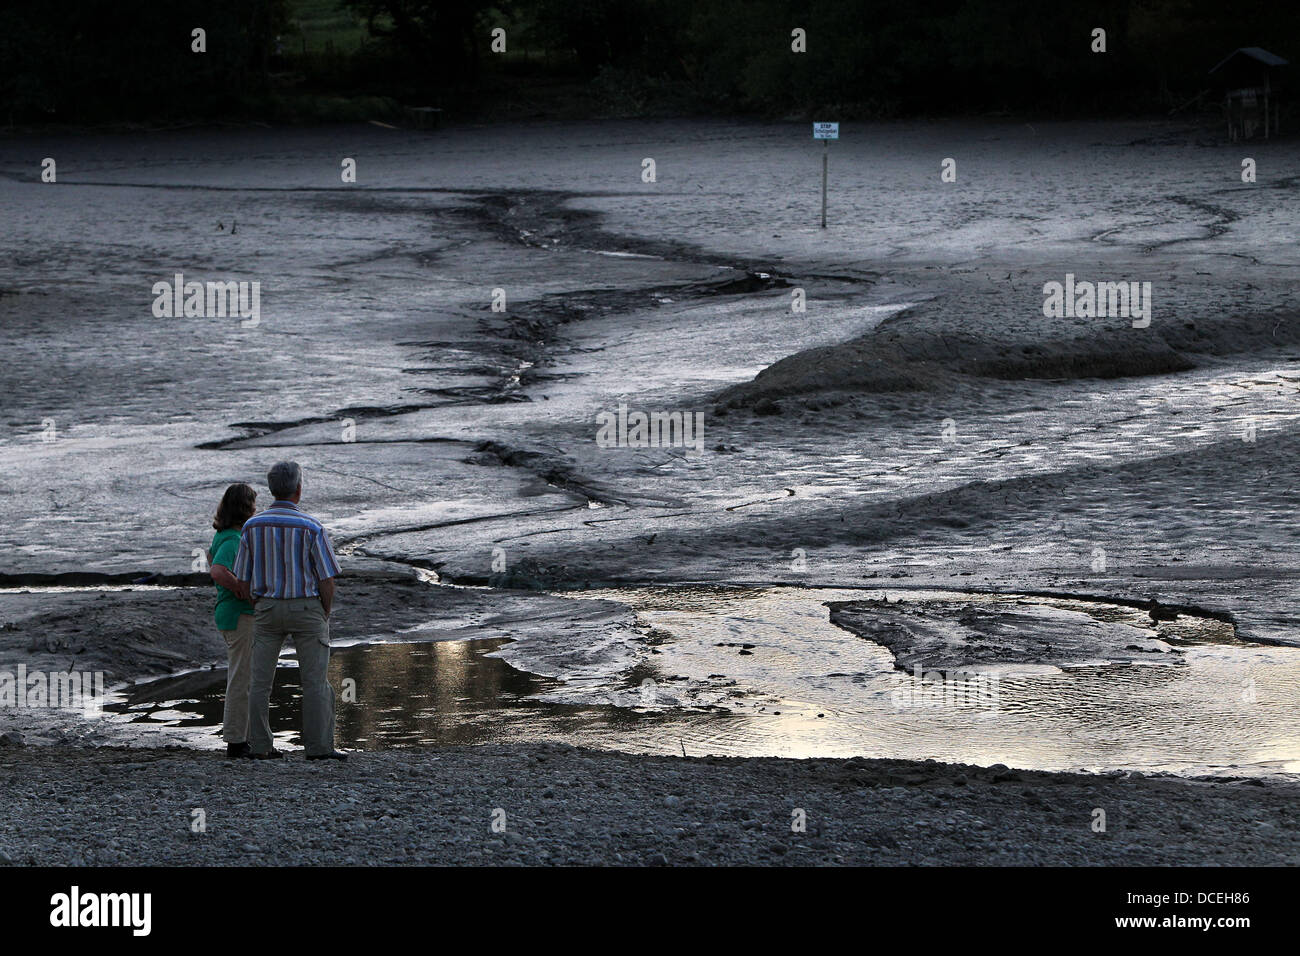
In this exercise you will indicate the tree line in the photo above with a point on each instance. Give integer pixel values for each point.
(88, 60)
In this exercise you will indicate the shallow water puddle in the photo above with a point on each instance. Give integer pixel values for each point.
(762, 671)
(811, 688)
(442, 693)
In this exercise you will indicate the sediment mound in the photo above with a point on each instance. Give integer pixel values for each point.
(953, 636)
(930, 346)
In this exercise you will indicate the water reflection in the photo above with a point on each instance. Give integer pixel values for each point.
(440, 693)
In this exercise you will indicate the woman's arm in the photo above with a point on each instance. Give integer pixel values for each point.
(221, 575)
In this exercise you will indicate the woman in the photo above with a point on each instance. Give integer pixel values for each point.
(234, 615)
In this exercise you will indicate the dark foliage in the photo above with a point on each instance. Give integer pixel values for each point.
(76, 60)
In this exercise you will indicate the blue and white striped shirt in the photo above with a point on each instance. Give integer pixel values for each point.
(284, 553)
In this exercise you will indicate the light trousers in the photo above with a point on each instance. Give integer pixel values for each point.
(303, 621)
(239, 657)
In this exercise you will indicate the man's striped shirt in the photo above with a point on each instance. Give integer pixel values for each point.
(284, 553)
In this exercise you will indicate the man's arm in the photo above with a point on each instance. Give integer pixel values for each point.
(326, 567)
(327, 594)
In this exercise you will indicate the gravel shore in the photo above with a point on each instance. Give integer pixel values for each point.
(565, 806)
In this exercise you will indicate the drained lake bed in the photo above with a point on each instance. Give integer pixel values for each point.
(872, 468)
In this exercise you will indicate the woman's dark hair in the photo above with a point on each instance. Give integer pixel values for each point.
(238, 504)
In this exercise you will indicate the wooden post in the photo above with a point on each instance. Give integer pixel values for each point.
(825, 132)
(826, 151)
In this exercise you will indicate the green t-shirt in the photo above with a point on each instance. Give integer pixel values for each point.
(225, 545)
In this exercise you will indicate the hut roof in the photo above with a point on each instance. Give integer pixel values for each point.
(1255, 53)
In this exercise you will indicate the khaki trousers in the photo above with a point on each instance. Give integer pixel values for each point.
(239, 656)
(303, 620)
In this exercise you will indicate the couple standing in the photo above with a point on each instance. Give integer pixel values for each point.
(274, 573)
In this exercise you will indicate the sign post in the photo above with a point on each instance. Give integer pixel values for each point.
(825, 132)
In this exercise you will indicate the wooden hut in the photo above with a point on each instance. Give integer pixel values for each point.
(1250, 78)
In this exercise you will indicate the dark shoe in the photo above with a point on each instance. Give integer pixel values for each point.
(332, 755)
(238, 751)
(269, 755)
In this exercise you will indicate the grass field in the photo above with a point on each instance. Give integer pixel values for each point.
(325, 25)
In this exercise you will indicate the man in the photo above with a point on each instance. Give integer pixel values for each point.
(287, 565)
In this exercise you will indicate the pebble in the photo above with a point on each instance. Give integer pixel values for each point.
(709, 810)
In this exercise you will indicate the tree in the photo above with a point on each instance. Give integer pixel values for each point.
(443, 39)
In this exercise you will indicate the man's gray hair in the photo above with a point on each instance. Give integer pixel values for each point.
(283, 479)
